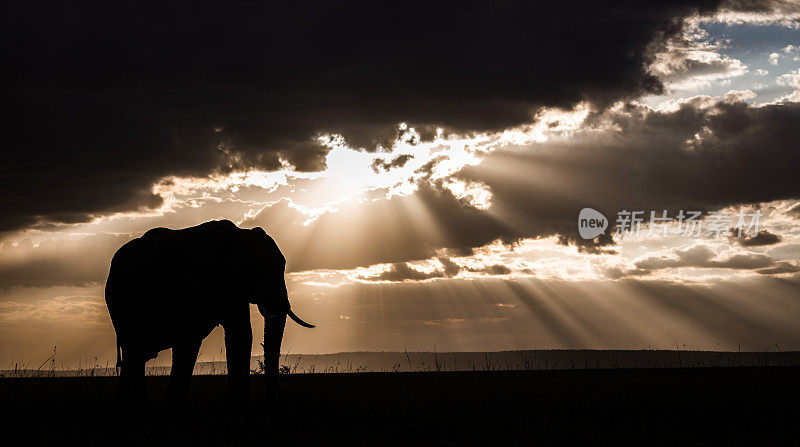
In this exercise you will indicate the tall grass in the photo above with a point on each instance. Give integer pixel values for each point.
(434, 361)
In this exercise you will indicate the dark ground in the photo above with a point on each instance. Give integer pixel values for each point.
(756, 405)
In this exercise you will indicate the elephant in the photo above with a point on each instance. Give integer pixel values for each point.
(171, 288)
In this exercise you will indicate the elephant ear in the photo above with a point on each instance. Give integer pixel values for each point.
(271, 263)
(267, 248)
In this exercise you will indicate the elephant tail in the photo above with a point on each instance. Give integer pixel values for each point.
(297, 319)
(119, 355)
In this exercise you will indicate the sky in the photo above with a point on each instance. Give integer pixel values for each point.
(422, 168)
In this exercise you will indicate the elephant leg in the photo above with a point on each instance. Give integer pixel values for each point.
(274, 325)
(184, 356)
(131, 383)
(238, 343)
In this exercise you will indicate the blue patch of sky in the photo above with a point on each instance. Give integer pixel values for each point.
(752, 45)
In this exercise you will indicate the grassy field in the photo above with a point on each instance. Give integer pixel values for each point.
(663, 406)
(432, 361)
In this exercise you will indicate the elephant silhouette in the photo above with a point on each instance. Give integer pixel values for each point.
(171, 288)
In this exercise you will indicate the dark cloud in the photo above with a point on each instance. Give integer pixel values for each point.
(596, 246)
(794, 211)
(684, 70)
(763, 237)
(637, 160)
(306, 156)
(496, 269)
(396, 162)
(780, 267)
(537, 191)
(761, 6)
(401, 271)
(107, 98)
(702, 256)
(618, 272)
(450, 267)
(686, 63)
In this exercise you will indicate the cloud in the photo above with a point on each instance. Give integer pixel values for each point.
(619, 272)
(403, 271)
(628, 158)
(696, 157)
(794, 210)
(763, 237)
(780, 267)
(773, 58)
(759, 12)
(396, 162)
(704, 155)
(114, 97)
(496, 269)
(791, 97)
(688, 65)
(791, 79)
(702, 256)
(450, 268)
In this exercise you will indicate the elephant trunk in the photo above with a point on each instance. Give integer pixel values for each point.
(273, 335)
(274, 324)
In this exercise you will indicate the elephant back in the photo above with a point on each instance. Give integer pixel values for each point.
(168, 275)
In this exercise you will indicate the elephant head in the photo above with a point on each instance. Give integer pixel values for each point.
(266, 271)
